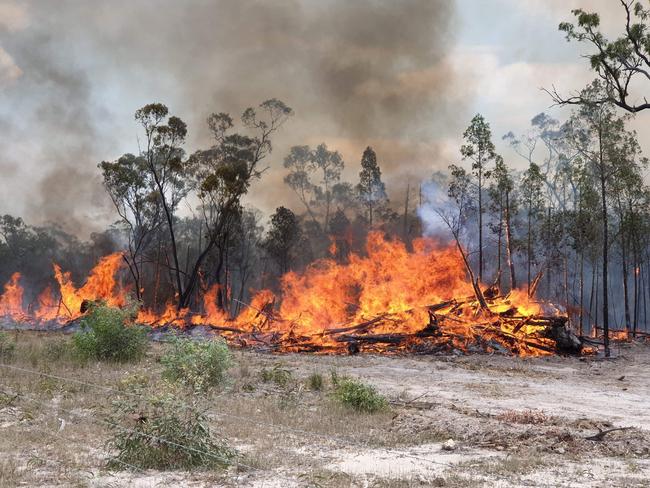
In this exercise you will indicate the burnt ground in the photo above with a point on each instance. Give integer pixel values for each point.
(513, 421)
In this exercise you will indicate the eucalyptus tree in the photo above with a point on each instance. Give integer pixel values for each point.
(532, 199)
(618, 63)
(282, 237)
(585, 232)
(222, 175)
(133, 191)
(628, 195)
(371, 189)
(315, 175)
(164, 164)
(479, 149)
(502, 202)
(598, 134)
(300, 177)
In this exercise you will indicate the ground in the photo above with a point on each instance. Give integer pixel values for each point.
(459, 421)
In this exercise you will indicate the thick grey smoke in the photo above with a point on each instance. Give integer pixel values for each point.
(73, 72)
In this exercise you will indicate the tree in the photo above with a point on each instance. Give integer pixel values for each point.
(132, 190)
(164, 164)
(223, 174)
(627, 196)
(300, 165)
(597, 134)
(282, 237)
(340, 235)
(533, 202)
(372, 191)
(616, 63)
(330, 164)
(479, 149)
(501, 192)
(303, 164)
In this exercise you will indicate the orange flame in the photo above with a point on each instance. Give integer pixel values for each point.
(390, 285)
(11, 301)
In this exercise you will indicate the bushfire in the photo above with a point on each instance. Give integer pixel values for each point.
(390, 299)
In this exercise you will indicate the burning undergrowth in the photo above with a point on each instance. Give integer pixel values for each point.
(392, 299)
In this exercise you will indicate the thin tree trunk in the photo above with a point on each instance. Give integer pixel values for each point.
(548, 252)
(511, 264)
(626, 301)
(498, 280)
(582, 293)
(529, 253)
(603, 189)
(480, 220)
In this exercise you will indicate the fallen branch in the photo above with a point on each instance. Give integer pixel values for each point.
(601, 435)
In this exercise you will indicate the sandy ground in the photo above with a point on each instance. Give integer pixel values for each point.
(454, 421)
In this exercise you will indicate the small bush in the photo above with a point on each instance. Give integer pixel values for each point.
(277, 374)
(105, 335)
(198, 364)
(358, 396)
(162, 432)
(7, 347)
(315, 382)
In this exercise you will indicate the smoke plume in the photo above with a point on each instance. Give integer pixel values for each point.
(356, 73)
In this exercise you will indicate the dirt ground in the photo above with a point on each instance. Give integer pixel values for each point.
(459, 421)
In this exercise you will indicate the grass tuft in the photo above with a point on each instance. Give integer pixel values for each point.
(316, 382)
(277, 374)
(358, 396)
(7, 347)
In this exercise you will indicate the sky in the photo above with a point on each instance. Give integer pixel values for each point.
(404, 77)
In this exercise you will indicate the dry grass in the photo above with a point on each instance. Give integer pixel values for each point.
(532, 417)
(283, 427)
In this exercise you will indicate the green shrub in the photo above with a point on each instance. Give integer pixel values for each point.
(162, 432)
(105, 335)
(7, 347)
(358, 396)
(198, 364)
(277, 374)
(315, 381)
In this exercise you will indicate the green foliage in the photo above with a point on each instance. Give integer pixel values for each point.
(7, 347)
(478, 146)
(105, 335)
(198, 364)
(277, 374)
(316, 382)
(282, 237)
(358, 396)
(162, 432)
(616, 62)
(304, 164)
(372, 191)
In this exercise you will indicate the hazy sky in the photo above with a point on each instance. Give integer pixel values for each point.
(403, 76)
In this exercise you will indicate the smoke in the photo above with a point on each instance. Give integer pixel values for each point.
(356, 73)
(435, 208)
